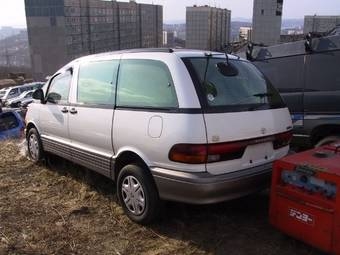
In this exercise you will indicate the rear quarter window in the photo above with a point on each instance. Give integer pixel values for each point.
(146, 84)
(96, 82)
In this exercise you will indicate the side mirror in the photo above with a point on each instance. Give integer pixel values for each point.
(309, 43)
(39, 95)
(249, 52)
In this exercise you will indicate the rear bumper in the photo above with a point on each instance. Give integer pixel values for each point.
(205, 188)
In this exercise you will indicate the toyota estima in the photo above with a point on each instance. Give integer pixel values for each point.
(178, 125)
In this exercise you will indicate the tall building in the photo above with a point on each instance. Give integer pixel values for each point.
(267, 18)
(61, 30)
(320, 23)
(207, 28)
(168, 39)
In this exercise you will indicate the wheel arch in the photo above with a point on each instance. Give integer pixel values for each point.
(31, 125)
(322, 131)
(128, 156)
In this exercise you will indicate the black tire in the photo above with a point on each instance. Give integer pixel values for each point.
(132, 203)
(34, 145)
(327, 140)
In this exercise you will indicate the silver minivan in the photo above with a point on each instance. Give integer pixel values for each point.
(183, 125)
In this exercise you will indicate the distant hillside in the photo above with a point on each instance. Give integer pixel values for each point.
(292, 23)
(14, 50)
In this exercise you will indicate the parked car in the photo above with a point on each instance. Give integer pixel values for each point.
(306, 73)
(12, 92)
(16, 102)
(25, 102)
(11, 125)
(179, 125)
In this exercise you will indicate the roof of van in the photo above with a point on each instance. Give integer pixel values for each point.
(179, 52)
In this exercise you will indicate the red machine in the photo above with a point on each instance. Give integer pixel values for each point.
(304, 199)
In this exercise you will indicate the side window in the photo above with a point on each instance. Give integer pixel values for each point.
(13, 91)
(323, 72)
(145, 83)
(96, 82)
(286, 74)
(29, 95)
(59, 89)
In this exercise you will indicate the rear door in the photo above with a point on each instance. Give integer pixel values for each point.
(91, 114)
(241, 107)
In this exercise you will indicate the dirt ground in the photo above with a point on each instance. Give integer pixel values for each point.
(62, 209)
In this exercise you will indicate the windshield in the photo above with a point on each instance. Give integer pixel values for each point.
(242, 88)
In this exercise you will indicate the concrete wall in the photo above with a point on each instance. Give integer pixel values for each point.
(320, 23)
(207, 28)
(62, 30)
(267, 18)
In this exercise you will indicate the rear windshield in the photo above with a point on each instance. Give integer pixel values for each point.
(235, 85)
(8, 121)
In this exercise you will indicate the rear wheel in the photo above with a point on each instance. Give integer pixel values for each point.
(327, 140)
(34, 145)
(138, 194)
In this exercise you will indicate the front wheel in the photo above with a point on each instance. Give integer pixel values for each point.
(138, 194)
(34, 145)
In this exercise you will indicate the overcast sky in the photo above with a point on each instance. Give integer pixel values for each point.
(12, 12)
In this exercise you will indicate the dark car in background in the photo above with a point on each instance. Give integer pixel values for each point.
(307, 74)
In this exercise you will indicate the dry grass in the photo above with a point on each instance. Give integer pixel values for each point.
(63, 210)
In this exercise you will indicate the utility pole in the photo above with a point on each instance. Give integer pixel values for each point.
(8, 58)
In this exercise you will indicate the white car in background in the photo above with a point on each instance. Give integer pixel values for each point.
(15, 102)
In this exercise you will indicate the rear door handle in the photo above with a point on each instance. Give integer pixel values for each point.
(64, 110)
(73, 111)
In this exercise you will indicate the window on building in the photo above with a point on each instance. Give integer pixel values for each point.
(53, 21)
(262, 12)
(96, 84)
(145, 83)
(59, 88)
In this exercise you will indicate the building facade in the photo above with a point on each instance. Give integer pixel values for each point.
(320, 24)
(169, 39)
(267, 19)
(207, 28)
(61, 30)
(245, 34)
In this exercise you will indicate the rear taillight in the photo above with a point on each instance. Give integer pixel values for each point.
(208, 153)
(203, 153)
(189, 153)
(282, 140)
(226, 151)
